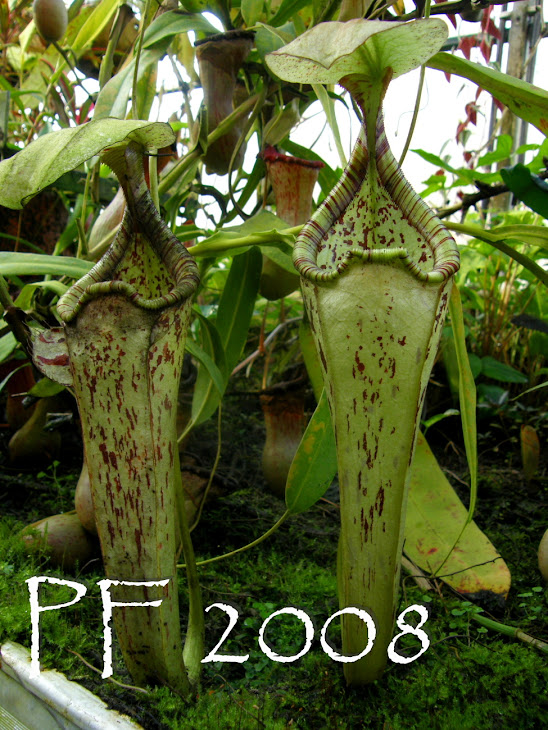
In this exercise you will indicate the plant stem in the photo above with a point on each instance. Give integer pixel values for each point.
(5, 300)
(153, 177)
(184, 163)
(418, 99)
(12, 315)
(247, 126)
(415, 115)
(212, 472)
(144, 23)
(260, 539)
(511, 631)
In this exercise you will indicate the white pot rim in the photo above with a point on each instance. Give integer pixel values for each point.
(68, 699)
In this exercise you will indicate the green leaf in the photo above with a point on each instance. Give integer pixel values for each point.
(97, 21)
(146, 89)
(522, 149)
(207, 396)
(525, 233)
(496, 370)
(8, 343)
(251, 11)
(436, 160)
(439, 417)
(530, 390)
(170, 24)
(36, 264)
(24, 300)
(282, 256)
(269, 39)
(467, 396)
(311, 359)
(328, 106)
(434, 183)
(475, 364)
(524, 100)
(529, 188)
(478, 232)
(502, 151)
(47, 158)
(259, 230)
(237, 304)
(287, 10)
(114, 96)
(207, 361)
(463, 174)
(45, 388)
(315, 464)
(492, 394)
(435, 517)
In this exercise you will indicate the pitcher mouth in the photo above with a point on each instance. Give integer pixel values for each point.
(140, 218)
(325, 247)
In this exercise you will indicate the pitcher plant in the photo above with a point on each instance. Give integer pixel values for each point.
(121, 349)
(376, 268)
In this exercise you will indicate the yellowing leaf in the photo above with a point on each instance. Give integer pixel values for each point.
(435, 516)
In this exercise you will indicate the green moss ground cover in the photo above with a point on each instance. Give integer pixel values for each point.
(470, 677)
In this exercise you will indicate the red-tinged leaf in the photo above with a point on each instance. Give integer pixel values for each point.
(471, 113)
(460, 129)
(453, 20)
(498, 104)
(485, 48)
(439, 172)
(466, 45)
(485, 17)
(448, 77)
(492, 30)
(467, 157)
(478, 92)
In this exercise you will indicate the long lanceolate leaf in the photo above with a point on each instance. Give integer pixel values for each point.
(467, 397)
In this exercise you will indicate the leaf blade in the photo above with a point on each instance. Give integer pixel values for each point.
(314, 465)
